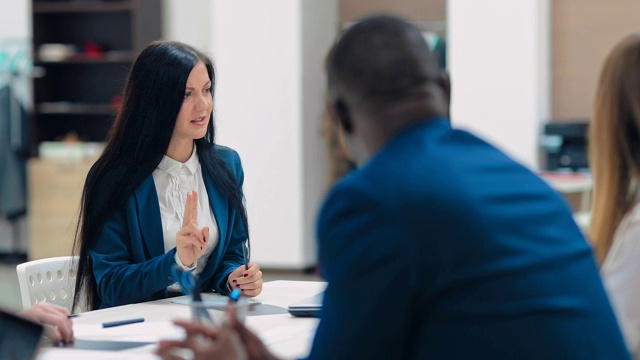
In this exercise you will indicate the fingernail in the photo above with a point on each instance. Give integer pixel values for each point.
(238, 285)
(245, 275)
(200, 247)
(235, 281)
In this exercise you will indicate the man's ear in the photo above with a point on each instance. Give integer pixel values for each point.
(341, 113)
(445, 84)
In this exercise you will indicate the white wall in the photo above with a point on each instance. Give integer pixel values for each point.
(319, 30)
(499, 62)
(188, 21)
(269, 102)
(269, 99)
(15, 19)
(15, 42)
(257, 46)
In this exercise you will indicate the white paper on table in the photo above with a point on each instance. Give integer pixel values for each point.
(152, 331)
(75, 354)
(290, 342)
(283, 333)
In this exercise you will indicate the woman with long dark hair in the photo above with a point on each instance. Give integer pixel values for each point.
(163, 194)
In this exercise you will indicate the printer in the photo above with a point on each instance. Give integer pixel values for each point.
(564, 146)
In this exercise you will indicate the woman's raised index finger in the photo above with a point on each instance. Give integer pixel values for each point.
(194, 206)
(187, 210)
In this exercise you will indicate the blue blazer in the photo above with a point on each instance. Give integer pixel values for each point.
(442, 247)
(129, 262)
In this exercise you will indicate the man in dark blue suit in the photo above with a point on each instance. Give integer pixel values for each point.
(440, 246)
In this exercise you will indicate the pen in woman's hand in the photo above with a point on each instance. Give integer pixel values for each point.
(244, 257)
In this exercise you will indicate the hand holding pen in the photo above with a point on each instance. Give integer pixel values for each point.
(55, 319)
(232, 340)
(248, 280)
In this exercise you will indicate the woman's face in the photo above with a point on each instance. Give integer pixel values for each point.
(195, 111)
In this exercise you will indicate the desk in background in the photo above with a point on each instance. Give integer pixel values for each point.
(568, 184)
(284, 335)
(55, 190)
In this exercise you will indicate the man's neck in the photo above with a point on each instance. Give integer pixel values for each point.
(392, 121)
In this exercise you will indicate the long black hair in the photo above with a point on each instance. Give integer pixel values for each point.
(136, 143)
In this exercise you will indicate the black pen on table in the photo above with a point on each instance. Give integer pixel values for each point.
(122, 322)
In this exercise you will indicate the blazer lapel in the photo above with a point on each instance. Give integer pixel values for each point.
(149, 219)
(220, 208)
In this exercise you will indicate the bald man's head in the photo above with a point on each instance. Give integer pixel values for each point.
(378, 61)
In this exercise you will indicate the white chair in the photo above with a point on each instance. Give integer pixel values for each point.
(52, 280)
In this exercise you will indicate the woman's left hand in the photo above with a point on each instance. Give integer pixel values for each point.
(249, 281)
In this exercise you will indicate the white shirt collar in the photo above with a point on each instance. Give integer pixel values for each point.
(173, 167)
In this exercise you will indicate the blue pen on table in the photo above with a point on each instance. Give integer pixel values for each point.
(122, 322)
(235, 295)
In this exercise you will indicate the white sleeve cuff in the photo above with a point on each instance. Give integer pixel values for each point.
(182, 266)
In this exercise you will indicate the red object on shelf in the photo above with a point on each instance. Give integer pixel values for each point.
(116, 102)
(92, 50)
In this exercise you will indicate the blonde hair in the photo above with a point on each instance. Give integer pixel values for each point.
(614, 142)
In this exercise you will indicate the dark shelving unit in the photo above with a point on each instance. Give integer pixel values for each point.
(78, 91)
(94, 6)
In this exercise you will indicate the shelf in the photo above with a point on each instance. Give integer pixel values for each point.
(40, 7)
(68, 108)
(76, 89)
(115, 57)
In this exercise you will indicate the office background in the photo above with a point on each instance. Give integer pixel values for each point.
(515, 66)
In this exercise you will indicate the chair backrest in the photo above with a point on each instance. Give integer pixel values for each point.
(52, 280)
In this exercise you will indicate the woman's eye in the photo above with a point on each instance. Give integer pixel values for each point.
(187, 94)
(207, 90)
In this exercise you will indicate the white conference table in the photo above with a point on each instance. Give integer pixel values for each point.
(285, 335)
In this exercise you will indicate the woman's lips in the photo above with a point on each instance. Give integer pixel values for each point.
(199, 120)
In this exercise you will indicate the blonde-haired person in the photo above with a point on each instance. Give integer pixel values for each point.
(614, 152)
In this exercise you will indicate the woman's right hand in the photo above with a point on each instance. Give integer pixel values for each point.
(191, 240)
